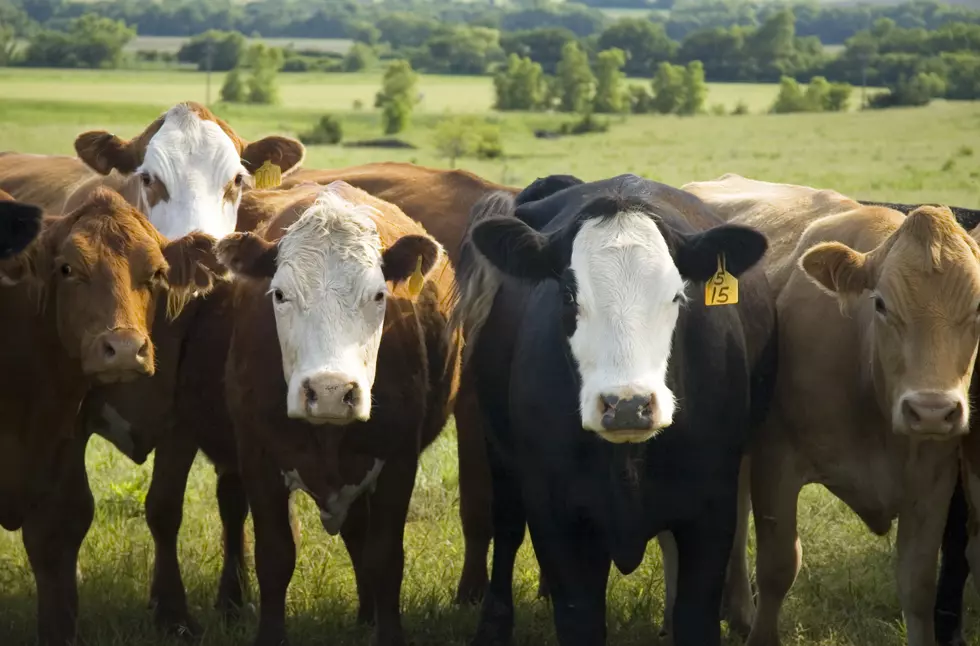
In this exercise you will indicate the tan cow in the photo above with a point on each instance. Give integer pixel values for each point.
(186, 171)
(338, 377)
(76, 308)
(878, 326)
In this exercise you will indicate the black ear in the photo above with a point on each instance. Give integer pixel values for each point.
(19, 225)
(516, 249)
(248, 255)
(400, 259)
(697, 255)
(542, 187)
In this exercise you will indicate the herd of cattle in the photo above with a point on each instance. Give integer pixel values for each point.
(640, 361)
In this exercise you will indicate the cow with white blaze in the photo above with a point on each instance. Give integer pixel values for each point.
(617, 401)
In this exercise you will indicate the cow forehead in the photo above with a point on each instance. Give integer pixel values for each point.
(610, 250)
(186, 142)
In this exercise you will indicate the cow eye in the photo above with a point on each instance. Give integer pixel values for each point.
(379, 297)
(880, 306)
(278, 296)
(66, 270)
(146, 179)
(239, 179)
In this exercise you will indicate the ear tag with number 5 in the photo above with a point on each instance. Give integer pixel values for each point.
(722, 288)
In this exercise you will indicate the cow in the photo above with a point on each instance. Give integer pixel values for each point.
(440, 200)
(76, 308)
(617, 402)
(341, 369)
(186, 171)
(878, 331)
(19, 225)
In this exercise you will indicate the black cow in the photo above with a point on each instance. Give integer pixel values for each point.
(618, 404)
(19, 225)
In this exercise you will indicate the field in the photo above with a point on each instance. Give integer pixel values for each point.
(173, 43)
(845, 594)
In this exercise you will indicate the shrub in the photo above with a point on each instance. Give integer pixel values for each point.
(326, 131)
(233, 89)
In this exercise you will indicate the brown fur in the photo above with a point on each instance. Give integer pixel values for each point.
(119, 262)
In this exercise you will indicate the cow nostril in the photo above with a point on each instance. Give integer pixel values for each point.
(351, 396)
(108, 350)
(956, 414)
(144, 350)
(608, 402)
(911, 413)
(310, 393)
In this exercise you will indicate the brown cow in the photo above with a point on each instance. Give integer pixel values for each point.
(19, 225)
(878, 337)
(368, 373)
(186, 171)
(78, 306)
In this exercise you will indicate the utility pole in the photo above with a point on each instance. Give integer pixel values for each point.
(209, 49)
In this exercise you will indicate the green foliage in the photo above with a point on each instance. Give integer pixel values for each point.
(519, 86)
(227, 50)
(327, 131)
(640, 101)
(695, 89)
(645, 44)
(585, 125)
(89, 41)
(459, 50)
(358, 58)
(468, 136)
(8, 45)
(740, 108)
(575, 81)
(540, 45)
(668, 88)
(233, 89)
(610, 95)
(917, 90)
(819, 96)
(264, 64)
(397, 97)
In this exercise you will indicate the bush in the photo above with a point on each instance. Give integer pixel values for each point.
(641, 101)
(609, 94)
(264, 64)
(327, 131)
(358, 58)
(89, 41)
(520, 86)
(468, 136)
(917, 90)
(820, 96)
(718, 110)
(790, 98)
(397, 97)
(233, 89)
(740, 108)
(227, 50)
(585, 125)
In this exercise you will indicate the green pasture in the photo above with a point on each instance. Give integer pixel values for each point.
(845, 594)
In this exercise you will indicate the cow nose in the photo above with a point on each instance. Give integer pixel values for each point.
(933, 413)
(120, 354)
(633, 413)
(333, 398)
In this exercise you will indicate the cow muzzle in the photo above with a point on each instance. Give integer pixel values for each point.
(629, 417)
(330, 398)
(933, 414)
(119, 355)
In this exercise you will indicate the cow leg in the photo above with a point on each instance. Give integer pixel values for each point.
(496, 625)
(737, 607)
(354, 532)
(233, 507)
(475, 492)
(275, 549)
(775, 485)
(668, 547)
(52, 537)
(953, 572)
(578, 593)
(920, 535)
(164, 513)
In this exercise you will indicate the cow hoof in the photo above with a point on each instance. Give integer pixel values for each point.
(470, 594)
(182, 626)
(230, 611)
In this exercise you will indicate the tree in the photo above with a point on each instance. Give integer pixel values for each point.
(89, 41)
(645, 44)
(790, 97)
(542, 46)
(264, 63)
(358, 58)
(609, 94)
(695, 89)
(8, 45)
(227, 50)
(326, 131)
(668, 88)
(397, 97)
(460, 50)
(520, 86)
(233, 89)
(467, 136)
(576, 82)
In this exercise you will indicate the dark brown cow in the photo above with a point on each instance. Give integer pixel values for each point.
(77, 308)
(19, 225)
(368, 371)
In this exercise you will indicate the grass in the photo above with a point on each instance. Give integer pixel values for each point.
(845, 594)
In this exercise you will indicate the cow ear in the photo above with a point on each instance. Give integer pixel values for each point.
(516, 249)
(836, 268)
(248, 255)
(288, 154)
(19, 225)
(697, 255)
(104, 151)
(193, 269)
(542, 187)
(400, 260)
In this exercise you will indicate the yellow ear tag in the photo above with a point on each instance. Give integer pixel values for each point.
(268, 175)
(722, 289)
(416, 279)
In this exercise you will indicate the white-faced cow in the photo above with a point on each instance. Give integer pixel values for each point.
(618, 402)
(878, 329)
(76, 307)
(338, 376)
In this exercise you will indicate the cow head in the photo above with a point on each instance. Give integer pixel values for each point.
(328, 288)
(921, 290)
(189, 168)
(98, 271)
(622, 274)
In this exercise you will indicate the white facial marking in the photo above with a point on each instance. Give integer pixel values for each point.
(627, 289)
(329, 297)
(195, 160)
